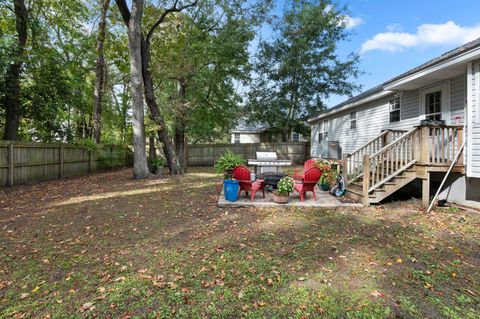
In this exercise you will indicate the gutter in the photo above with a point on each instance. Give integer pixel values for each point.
(369, 98)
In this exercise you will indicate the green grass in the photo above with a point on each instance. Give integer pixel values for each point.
(162, 249)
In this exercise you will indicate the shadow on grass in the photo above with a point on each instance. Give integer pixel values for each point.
(168, 250)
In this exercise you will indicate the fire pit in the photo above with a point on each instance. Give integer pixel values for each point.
(271, 179)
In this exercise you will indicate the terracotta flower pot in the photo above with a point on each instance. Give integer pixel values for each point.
(281, 198)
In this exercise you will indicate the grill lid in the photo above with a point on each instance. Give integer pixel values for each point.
(266, 156)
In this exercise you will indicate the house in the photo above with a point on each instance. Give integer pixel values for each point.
(385, 145)
(245, 132)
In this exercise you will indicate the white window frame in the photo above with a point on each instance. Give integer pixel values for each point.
(323, 131)
(354, 119)
(235, 140)
(293, 137)
(445, 106)
(399, 110)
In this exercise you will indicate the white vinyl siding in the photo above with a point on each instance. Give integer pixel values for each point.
(473, 129)
(373, 117)
(245, 138)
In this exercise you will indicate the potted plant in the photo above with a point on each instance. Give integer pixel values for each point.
(284, 188)
(156, 165)
(328, 175)
(225, 165)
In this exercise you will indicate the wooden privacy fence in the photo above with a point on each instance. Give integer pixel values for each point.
(206, 154)
(24, 162)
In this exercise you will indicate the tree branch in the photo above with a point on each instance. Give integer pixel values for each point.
(123, 7)
(162, 18)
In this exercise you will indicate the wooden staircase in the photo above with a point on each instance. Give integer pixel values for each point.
(395, 158)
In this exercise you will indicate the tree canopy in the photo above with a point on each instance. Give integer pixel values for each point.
(301, 67)
(66, 69)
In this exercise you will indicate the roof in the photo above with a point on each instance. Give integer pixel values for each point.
(379, 88)
(244, 127)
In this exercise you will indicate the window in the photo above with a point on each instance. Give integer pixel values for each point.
(295, 137)
(353, 119)
(237, 138)
(323, 131)
(394, 109)
(433, 105)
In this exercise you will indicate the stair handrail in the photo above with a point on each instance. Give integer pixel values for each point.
(408, 133)
(405, 162)
(358, 171)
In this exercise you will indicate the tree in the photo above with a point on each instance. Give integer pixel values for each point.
(134, 23)
(12, 79)
(301, 67)
(99, 73)
(149, 91)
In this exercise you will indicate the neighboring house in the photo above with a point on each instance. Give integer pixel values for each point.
(384, 121)
(258, 133)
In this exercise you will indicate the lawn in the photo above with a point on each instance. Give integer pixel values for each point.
(107, 246)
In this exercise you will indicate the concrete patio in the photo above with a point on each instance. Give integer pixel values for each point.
(324, 200)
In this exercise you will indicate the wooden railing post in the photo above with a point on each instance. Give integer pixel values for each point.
(366, 179)
(345, 168)
(460, 143)
(11, 164)
(60, 161)
(386, 138)
(424, 137)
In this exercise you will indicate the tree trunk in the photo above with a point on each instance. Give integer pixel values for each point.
(12, 77)
(180, 144)
(99, 74)
(140, 168)
(168, 148)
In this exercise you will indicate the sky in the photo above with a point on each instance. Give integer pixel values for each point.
(395, 36)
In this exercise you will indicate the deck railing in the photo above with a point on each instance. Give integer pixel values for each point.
(353, 162)
(392, 152)
(425, 145)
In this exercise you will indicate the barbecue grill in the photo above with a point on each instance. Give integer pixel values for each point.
(267, 162)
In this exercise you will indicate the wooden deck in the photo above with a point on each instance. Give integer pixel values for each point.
(395, 158)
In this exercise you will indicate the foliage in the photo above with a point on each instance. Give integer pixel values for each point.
(228, 161)
(300, 67)
(87, 143)
(285, 185)
(329, 175)
(157, 163)
(111, 159)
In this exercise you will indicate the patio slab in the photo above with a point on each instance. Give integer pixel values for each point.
(324, 200)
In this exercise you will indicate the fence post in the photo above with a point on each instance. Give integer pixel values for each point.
(11, 166)
(90, 161)
(366, 179)
(61, 161)
(185, 154)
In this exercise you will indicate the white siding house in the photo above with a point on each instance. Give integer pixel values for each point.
(245, 132)
(445, 88)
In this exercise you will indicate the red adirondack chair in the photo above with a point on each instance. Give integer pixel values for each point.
(306, 166)
(310, 179)
(242, 174)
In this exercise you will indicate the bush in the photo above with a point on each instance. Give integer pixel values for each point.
(157, 163)
(87, 144)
